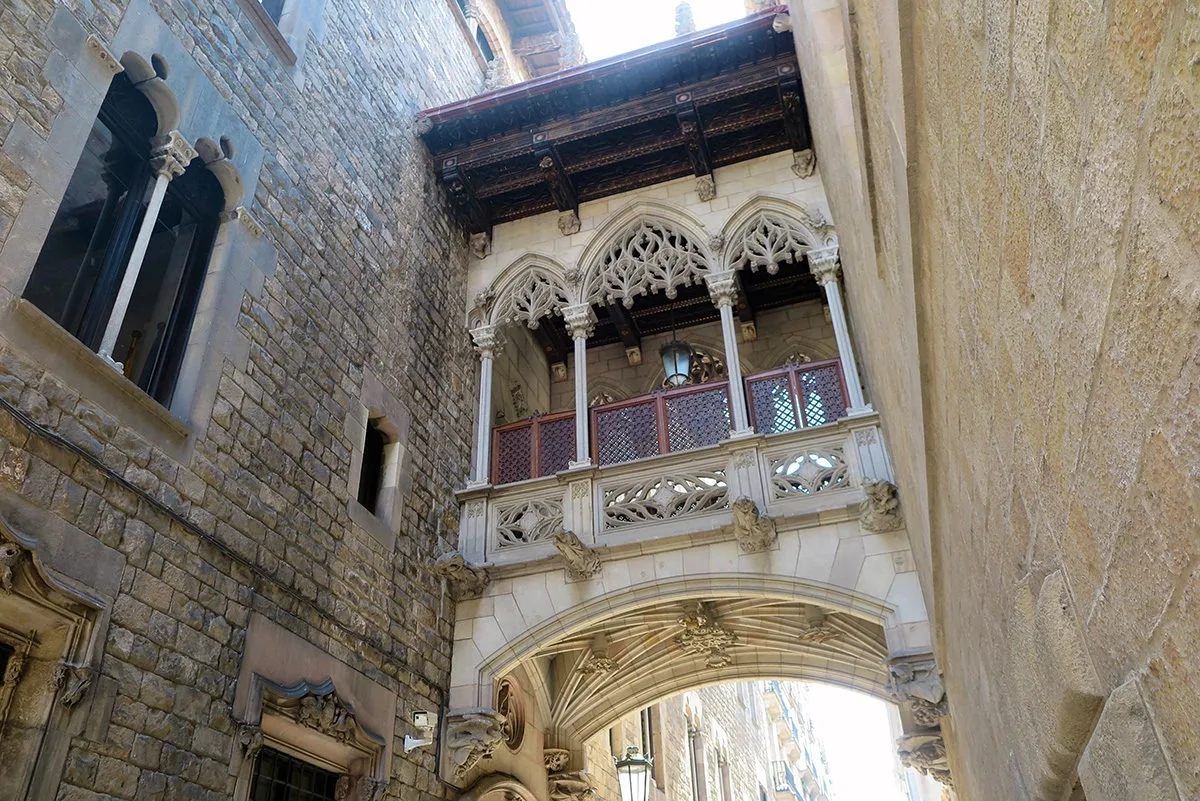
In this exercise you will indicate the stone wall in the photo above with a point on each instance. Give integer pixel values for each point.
(210, 522)
(521, 378)
(1027, 177)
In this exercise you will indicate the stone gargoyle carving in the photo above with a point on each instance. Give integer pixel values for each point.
(754, 532)
(481, 246)
(73, 680)
(471, 736)
(10, 557)
(804, 163)
(465, 580)
(918, 683)
(573, 786)
(249, 740)
(880, 510)
(556, 759)
(926, 754)
(582, 562)
(702, 635)
(327, 714)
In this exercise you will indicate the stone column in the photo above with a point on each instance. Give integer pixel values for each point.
(488, 341)
(170, 156)
(722, 288)
(823, 263)
(581, 323)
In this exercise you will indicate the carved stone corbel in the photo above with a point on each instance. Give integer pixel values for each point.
(880, 509)
(556, 759)
(816, 627)
(754, 532)
(573, 786)
(249, 740)
(918, 684)
(926, 753)
(471, 737)
(581, 561)
(464, 580)
(804, 163)
(481, 245)
(73, 681)
(568, 223)
(10, 557)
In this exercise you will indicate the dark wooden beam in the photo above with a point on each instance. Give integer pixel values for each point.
(462, 195)
(561, 188)
(795, 117)
(553, 341)
(626, 327)
(693, 135)
(745, 311)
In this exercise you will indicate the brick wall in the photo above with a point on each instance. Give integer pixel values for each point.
(253, 518)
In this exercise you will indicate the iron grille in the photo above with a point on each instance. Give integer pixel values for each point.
(514, 455)
(279, 777)
(626, 433)
(697, 419)
(821, 395)
(556, 446)
(772, 404)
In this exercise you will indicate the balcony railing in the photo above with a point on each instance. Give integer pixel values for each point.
(669, 421)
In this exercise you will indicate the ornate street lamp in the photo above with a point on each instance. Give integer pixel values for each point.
(633, 774)
(677, 362)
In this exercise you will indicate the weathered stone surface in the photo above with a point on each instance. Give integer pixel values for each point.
(1124, 759)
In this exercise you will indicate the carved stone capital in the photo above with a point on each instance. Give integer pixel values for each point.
(170, 154)
(481, 245)
(573, 786)
(488, 340)
(580, 320)
(568, 222)
(471, 736)
(823, 264)
(11, 555)
(581, 561)
(702, 635)
(804, 162)
(556, 759)
(464, 579)
(706, 188)
(880, 509)
(753, 531)
(722, 287)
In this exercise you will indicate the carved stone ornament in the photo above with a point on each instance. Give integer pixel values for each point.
(558, 372)
(372, 789)
(706, 188)
(581, 561)
(749, 331)
(10, 557)
(753, 531)
(73, 681)
(918, 684)
(344, 788)
(170, 154)
(880, 509)
(488, 340)
(648, 256)
(471, 737)
(804, 162)
(568, 223)
(816, 627)
(463, 579)
(598, 665)
(573, 786)
(633, 355)
(823, 264)
(716, 243)
(580, 320)
(782, 23)
(243, 216)
(703, 636)
(249, 740)
(722, 288)
(510, 706)
(327, 714)
(481, 245)
(926, 754)
(423, 125)
(556, 759)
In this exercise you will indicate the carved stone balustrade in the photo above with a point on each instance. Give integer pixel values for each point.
(790, 476)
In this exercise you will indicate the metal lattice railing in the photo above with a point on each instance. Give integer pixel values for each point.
(796, 396)
(788, 399)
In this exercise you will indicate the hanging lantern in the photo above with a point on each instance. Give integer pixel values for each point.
(677, 362)
(633, 774)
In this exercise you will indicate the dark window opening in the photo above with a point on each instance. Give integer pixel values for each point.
(83, 259)
(485, 46)
(274, 9)
(370, 477)
(6, 651)
(462, 5)
(279, 777)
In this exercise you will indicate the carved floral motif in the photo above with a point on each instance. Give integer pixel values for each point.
(327, 714)
(753, 531)
(703, 636)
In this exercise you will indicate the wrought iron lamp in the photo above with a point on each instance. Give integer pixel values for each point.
(676, 358)
(634, 774)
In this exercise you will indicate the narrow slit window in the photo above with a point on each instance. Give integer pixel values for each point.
(485, 46)
(370, 478)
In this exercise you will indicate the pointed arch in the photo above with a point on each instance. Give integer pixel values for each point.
(768, 231)
(647, 247)
(528, 290)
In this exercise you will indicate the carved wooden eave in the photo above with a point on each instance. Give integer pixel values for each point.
(682, 107)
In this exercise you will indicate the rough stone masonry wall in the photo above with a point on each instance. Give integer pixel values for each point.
(1052, 340)
(256, 519)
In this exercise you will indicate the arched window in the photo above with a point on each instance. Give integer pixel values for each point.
(83, 259)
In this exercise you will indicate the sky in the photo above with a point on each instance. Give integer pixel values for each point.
(609, 27)
(858, 743)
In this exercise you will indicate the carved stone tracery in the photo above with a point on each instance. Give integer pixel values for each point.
(535, 294)
(648, 256)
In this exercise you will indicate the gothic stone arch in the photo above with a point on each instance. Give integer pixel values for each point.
(530, 289)
(767, 231)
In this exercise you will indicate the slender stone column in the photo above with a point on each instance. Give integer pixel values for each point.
(170, 156)
(581, 323)
(488, 341)
(722, 288)
(823, 263)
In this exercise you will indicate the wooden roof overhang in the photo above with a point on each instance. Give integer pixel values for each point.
(682, 107)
